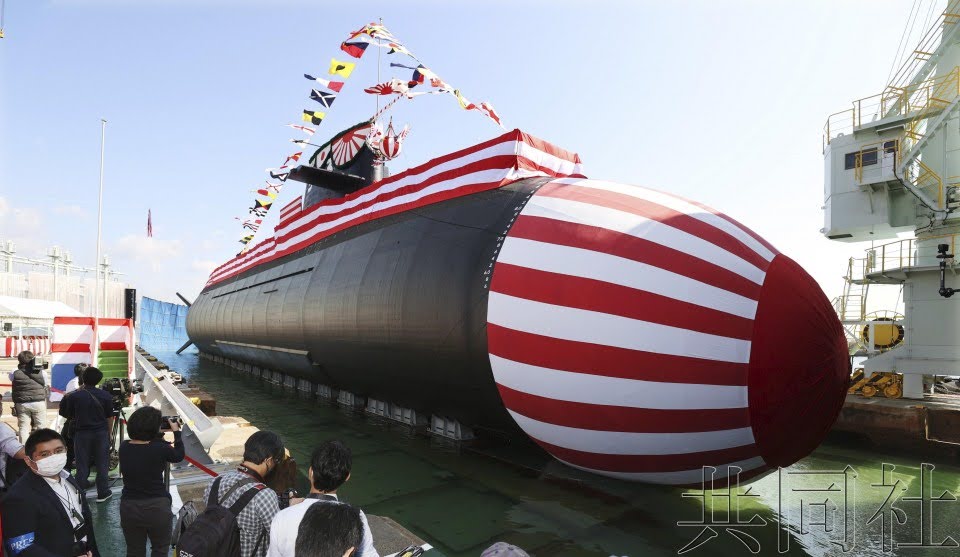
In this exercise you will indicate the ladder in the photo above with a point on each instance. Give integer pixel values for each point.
(852, 304)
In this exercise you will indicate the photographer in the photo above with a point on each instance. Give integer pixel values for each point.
(30, 393)
(145, 502)
(45, 514)
(67, 430)
(88, 409)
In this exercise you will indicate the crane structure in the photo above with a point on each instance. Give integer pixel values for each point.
(891, 168)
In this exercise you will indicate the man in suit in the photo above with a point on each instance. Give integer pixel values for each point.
(45, 514)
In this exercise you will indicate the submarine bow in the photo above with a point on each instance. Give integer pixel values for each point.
(628, 332)
(642, 336)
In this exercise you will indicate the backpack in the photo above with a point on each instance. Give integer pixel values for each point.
(185, 517)
(215, 532)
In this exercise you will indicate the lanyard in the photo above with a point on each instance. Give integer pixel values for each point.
(252, 473)
(67, 504)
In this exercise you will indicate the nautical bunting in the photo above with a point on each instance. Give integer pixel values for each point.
(250, 224)
(341, 68)
(392, 87)
(326, 99)
(464, 103)
(375, 30)
(313, 116)
(294, 157)
(355, 49)
(266, 193)
(332, 85)
(487, 109)
(304, 129)
(343, 149)
(421, 75)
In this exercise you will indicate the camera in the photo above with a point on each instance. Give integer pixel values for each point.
(40, 367)
(79, 548)
(285, 497)
(121, 387)
(165, 422)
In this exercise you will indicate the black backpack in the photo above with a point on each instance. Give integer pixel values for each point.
(215, 532)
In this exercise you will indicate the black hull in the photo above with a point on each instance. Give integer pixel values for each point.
(394, 309)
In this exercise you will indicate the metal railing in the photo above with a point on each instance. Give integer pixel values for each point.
(925, 179)
(902, 254)
(880, 156)
(909, 90)
(915, 66)
(925, 97)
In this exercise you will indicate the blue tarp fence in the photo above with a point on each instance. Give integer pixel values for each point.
(163, 326)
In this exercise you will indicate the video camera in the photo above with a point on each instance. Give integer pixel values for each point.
(120, 388)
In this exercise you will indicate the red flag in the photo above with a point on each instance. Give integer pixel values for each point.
(355, 49)
(149, 225)
(487, 109)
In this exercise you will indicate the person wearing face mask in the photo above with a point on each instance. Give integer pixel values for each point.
(261, 453)
(45, 514)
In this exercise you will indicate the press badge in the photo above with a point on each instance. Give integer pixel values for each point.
(19, 543)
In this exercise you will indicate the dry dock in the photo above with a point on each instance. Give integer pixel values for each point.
(926, 427)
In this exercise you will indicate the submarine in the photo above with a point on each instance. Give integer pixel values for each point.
(628, 332)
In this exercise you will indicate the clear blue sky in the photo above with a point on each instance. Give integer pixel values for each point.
(721, 102)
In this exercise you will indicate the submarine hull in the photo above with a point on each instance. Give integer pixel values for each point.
(628, 332)
(394, 309)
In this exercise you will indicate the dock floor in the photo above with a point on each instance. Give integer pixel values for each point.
(188, 483)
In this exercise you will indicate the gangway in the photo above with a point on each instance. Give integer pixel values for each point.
(199, 431)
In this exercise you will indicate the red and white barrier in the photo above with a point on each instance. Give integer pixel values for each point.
(12, 346)
(72, 344)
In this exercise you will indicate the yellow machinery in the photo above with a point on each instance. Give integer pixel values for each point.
(889, 383)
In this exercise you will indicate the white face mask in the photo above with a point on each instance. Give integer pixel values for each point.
(52, 465)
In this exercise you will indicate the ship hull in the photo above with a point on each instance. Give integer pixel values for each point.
(628, 332)
(394, 309)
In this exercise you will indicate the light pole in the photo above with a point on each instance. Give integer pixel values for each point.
(96, 291)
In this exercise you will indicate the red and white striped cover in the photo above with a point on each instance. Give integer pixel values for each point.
(642, 336)
(72, 344)
(15, 345)
(489, 165)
